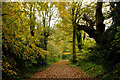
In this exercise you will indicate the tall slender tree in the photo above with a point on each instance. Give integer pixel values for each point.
(74, 34)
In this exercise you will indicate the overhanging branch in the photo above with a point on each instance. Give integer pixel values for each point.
(91, 23)
(91, 31)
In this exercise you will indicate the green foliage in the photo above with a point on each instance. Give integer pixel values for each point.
(66, 56)
(95, 71)
(109, 56)
(86, 48)
(94, 56)
(79, 39)
(32, 70)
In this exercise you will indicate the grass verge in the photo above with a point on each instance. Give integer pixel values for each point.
(93, 70)
(31, 71)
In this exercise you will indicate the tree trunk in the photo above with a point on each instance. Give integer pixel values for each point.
(100, 27)
(98, 34)
(74, 36)
(45, 41)
(74, 49)
(32, 26)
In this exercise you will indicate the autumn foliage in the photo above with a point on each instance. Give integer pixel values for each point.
(18, 46)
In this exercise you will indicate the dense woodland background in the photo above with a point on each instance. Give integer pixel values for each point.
(36, 34)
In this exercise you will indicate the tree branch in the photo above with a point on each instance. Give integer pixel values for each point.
(91, 23)
(91, 31)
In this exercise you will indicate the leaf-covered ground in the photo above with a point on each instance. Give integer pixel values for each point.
(60, 69)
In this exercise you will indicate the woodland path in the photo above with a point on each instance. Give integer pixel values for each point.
(60, 69)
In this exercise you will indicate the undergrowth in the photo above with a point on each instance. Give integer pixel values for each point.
(93, 70)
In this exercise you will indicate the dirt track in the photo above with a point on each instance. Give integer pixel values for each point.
(60, 69)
